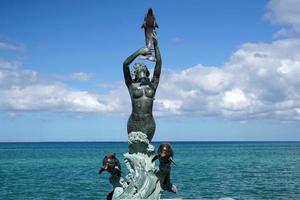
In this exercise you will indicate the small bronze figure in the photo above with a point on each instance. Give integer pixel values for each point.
(112, 165)
(165, 156)
(149, 26)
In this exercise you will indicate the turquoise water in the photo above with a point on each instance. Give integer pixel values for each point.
(240, 170)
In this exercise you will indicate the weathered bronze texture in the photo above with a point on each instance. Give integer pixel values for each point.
(142, 91)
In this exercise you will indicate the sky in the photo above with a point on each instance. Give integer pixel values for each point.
(230, 69)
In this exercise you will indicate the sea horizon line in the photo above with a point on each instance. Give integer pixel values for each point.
(158, 141)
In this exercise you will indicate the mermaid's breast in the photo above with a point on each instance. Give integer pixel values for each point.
(149, 92)
(144, 90)
(137, 93)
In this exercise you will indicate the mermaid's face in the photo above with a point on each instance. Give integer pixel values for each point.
(140, 74)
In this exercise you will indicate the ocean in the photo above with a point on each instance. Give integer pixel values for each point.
(204, 170)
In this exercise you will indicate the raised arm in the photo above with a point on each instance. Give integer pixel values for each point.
(129, 60)
(157, 68)
(126, 70)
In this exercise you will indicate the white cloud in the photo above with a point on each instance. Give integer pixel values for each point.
(259, 80)
(176, 40)
(50, 97)
(285, 13)
(11, 47)
(81, 76)
(4, 64)
(235, 99)
(23, 90)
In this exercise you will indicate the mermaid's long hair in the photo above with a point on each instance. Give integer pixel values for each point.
(137, 67)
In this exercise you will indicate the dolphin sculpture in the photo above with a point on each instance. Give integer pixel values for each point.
(164, 154)
(149, 26)
(111, 164)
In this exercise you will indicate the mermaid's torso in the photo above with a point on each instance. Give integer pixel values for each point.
(141, 118)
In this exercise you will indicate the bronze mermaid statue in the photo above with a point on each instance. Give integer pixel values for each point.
(142, 91)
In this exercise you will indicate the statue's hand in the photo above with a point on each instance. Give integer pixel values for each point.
(144, 51)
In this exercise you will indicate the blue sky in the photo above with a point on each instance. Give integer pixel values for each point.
(230, 69)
